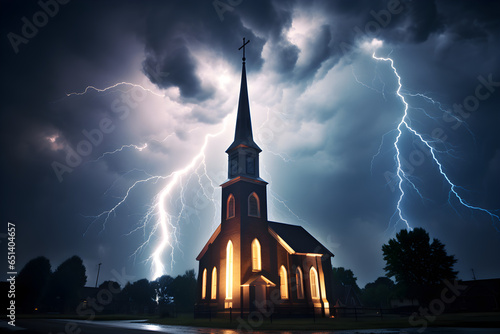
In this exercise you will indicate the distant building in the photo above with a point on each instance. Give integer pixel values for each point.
(404, 303)
(465, 296)
(250, 263)
(481, 295)
(346, 296)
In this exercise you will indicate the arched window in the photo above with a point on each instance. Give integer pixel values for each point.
(253, 205)
(204, 284)
(229, 270)
(313, 278)
(214, 283)
(230, 207)
(299, 282)
(283, 283)
(256, 259)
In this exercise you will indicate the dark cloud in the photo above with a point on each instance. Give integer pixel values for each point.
(180, 67)
(481, 20)
(423, 20)
(334, 124)
(285, 57)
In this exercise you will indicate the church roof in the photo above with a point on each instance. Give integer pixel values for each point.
(298, 239)
(243, 134)
(209, 242)
(294, 238)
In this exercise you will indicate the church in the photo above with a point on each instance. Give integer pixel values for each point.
(250, 263)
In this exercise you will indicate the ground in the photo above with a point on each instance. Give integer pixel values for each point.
(399, 324)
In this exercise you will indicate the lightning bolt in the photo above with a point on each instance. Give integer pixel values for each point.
(164, 223)
(270, 128)
(123, 83)
(278, 201)
(138, 148)
(404, 125)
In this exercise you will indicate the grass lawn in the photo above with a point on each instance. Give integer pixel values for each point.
(488, 320)
(99, 317)
(480, 320)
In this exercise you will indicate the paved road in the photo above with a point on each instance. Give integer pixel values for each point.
(28, 326)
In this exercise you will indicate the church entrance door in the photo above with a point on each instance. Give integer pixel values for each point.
(258, 302)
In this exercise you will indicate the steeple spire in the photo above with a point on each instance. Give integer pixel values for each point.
(243, 134)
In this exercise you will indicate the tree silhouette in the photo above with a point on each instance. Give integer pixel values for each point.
(344, 277)
(141, 294)
(163, 288)
(66, 285)
(164, 294)
(32, 283)
(110, 285)
(111, 303)
(378, 293)
(183, 291)
(417, 264)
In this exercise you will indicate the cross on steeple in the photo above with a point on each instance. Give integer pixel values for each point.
(243, 138)
(243, 47)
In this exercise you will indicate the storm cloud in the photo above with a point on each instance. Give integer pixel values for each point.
(323, 111)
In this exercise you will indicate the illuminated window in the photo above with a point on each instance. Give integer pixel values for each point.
(214, 283)
(300, 286)
(313, 278)
(204, 284)
(283, 283)
(229, 270)
(253, 205)
(230, 206)
(256, 259)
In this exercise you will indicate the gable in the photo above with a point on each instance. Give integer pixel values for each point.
(258, 279)
(295, 239)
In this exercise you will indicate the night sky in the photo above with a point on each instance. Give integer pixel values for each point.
(83, 174)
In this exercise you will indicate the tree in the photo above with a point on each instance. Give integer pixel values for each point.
(378, 293)
(163, 288)
(110, 292)
(66, 284)
(164, 294)
(32, 283)
(183, 291)
(344, 277)
(110, 285)
(141, 294)
(417, 264)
